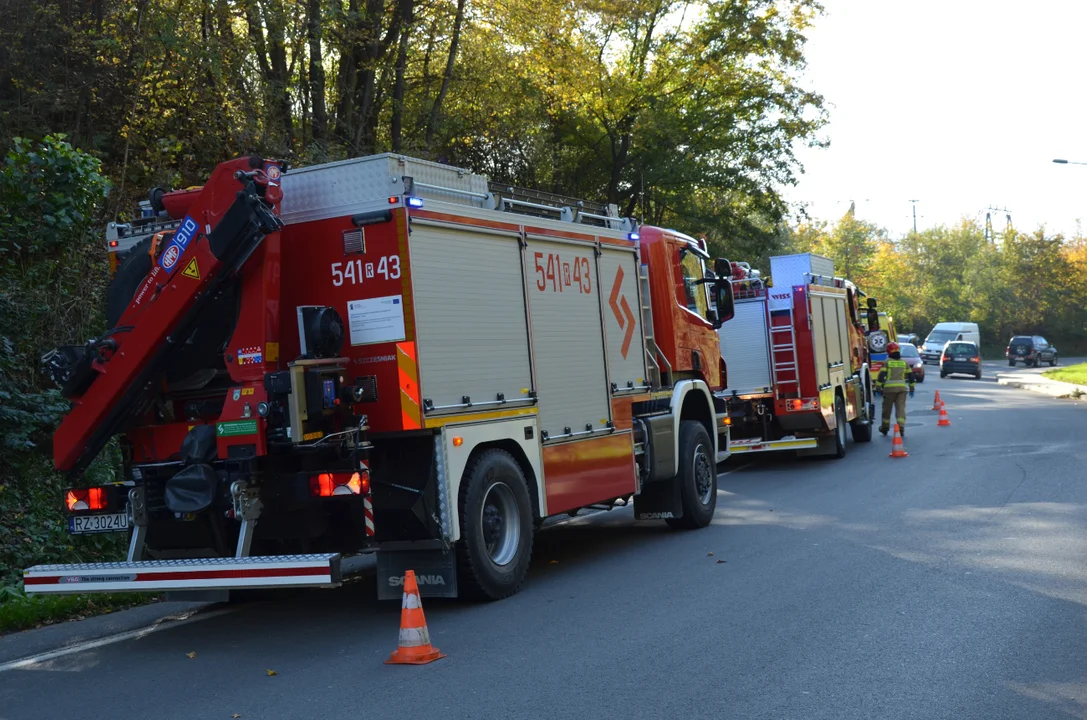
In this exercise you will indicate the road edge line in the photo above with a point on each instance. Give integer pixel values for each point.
(161, 624)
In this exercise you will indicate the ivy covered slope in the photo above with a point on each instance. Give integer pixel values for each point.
(53, 273)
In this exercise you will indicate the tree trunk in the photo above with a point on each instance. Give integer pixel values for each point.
(347, 78)
(406, 7)
(436, 109)
(367, 90)
(316, 71)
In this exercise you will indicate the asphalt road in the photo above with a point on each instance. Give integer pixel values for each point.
(950, 584)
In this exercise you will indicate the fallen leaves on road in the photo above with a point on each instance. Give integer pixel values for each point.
(709, 554)
(722, 562)
(235, 716)
(191, 655)
(271, 672)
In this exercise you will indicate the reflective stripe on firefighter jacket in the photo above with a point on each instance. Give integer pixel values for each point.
(895, 374)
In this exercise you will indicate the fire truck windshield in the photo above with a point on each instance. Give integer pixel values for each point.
(697, 294)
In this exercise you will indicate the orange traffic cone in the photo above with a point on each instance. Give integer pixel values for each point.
(936, 401)
(944, 420)
(414, 647)
(898, 449)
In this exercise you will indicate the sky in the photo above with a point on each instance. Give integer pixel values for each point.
(959, 104)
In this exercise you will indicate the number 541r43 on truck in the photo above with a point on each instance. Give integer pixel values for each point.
(384, 355)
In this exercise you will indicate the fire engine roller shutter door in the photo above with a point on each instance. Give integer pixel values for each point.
(819, 341)
(831, 310)
(471, 331)
(567, 337)
(745, 346)
(622, 319)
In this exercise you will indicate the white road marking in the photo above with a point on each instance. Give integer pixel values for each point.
(161, 624)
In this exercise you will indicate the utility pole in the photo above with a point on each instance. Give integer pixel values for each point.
(989, 225)
(915, 215)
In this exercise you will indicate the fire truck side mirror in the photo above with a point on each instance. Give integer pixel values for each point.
(873, 318)
(725, 301)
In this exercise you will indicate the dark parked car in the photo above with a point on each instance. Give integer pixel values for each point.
(1031, 350)
(909, 339)
(960, 358)
(913, 359)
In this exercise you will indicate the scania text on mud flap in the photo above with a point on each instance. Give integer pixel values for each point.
(797, 358)
(387, 355)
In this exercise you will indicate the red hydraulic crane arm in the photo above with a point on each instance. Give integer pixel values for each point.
(117, 374)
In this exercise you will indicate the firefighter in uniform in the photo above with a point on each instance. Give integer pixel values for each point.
(894, 381)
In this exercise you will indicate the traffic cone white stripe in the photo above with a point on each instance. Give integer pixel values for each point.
(414, 637)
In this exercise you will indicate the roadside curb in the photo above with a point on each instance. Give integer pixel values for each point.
(1053, 388)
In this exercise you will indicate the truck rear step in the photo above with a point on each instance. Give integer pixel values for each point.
(273, 571)
(759, 445)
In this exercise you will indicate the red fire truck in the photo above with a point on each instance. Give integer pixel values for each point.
(797, 359)
(391, 355)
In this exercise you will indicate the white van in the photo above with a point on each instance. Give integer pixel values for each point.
(946, 332)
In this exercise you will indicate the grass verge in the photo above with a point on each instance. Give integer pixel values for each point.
(19, 611)
(1071, 374)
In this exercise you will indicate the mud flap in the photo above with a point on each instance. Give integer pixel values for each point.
(659, 501)
(435, 569)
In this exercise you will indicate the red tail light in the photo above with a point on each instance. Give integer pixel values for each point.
(85, 499)
(329, 484)
(975, 359)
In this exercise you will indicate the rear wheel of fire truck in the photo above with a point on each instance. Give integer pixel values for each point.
(839, 432)
(496, 527)
(697, 477)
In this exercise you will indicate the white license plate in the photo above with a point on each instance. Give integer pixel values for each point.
(960, 358)
(87, 524)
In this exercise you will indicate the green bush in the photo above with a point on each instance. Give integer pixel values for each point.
(53, 275)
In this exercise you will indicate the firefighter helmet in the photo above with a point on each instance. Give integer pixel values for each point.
(892, 347)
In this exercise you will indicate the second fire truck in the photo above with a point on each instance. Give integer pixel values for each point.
(797, 359)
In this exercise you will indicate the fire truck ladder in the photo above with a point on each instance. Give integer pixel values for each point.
(652, 352)
(783, 349)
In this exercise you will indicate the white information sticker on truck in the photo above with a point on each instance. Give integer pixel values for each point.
(376, 320)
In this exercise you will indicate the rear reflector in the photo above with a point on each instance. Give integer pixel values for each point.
(329, 484)
(85, 499)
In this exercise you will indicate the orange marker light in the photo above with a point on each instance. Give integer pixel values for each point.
(88, 499)
(458, 441)
(113, 243)
(393, 200)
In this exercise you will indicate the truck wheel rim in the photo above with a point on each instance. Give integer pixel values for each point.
(703, 475)
(501, 523)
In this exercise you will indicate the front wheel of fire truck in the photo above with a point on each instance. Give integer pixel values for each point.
(697, 477)
(496, 526)
(861, 427)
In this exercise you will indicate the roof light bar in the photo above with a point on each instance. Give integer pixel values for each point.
(415, 202)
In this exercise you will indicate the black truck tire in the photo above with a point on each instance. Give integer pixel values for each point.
(496, 527)
(861, 427)
(697, 477)
(839, 431)
(126, 281)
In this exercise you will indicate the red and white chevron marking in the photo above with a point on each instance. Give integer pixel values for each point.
(368, 509)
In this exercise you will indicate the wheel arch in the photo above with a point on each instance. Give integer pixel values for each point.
(510, 435)
(691, 400)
